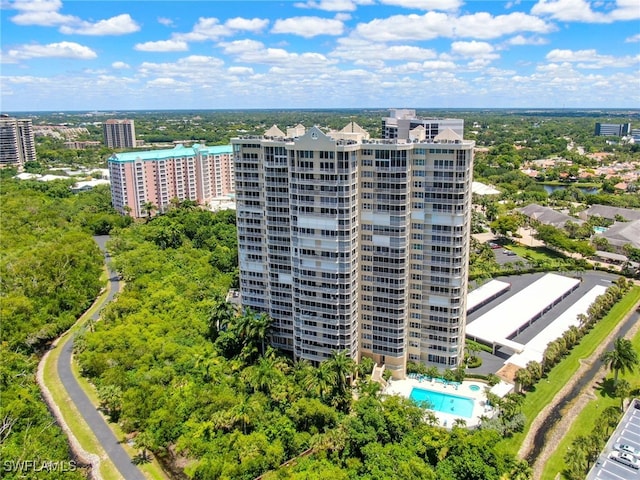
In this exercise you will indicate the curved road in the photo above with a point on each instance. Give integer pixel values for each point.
(89, 412)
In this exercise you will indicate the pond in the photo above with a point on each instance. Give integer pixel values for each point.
(586, 190)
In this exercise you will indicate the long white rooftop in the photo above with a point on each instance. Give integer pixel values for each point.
(534, 349)
(506, 319)
(486, 292)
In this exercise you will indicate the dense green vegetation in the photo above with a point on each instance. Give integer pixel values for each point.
(192, 380)
(49, 270)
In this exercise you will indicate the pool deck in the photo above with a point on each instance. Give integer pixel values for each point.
(404, 387)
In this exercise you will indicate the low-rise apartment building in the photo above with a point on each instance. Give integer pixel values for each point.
(198, 173)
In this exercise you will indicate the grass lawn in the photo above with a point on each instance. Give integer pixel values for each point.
(536, 253)
(583, 424)
(547, 388)
(72, 417)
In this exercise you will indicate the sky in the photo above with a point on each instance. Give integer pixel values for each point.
(157, 55)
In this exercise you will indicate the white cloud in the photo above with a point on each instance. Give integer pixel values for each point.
(247, 24)
(522, 40)
(485, 26)
(251, 51)
(437, 24)
(52, 50)
(471, 49)
(120, 65)
(240, 70)
(334, 5)
(633, 38)
(194, 67)
(581, 10)
(163, 46)
(425, 4)
(40, 12)
(590, 59)
(205, 29)
(35, 5)
(212, 29)
(118, 25)
(45, 13)
(439, 65)
(308, 27)
(363, 50)
(165, 82)
(167, 22)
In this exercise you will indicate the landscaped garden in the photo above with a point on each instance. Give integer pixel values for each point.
(546, 389)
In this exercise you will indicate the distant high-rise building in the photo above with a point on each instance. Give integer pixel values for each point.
(612, 129)
(403, 124)
(119, 133)
(355, 244)
(17, 142)
(197, 173)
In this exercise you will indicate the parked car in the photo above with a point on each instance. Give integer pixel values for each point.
(625, 447)
(494, 245)
(625, 459)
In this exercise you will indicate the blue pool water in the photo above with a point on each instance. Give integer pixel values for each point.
(443, 402)
(474, 388)
(600, 229)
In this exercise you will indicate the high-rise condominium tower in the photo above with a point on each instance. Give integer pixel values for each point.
(17, 142)
(358, 244)
(119, 133)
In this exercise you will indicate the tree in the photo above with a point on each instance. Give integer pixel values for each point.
(521, 470)
(622, 392)
(507, 224)
(148, 208)
(343, 369)
(222, 314)
(622, 358)
(144, 441)
(609, 417)
(524, 378)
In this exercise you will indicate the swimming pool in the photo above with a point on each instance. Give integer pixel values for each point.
(444, 402)
(474, 388)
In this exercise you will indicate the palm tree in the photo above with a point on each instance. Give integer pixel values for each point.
(521, 470)
(609, 417)
(459, 423)
(432, 372)
(221, 315)
(144, 441)
(243, 413)
(266, 374)
(524, 378)
(343, 367)
(253, 329)
(321, 381)
(622, 391)
(148, 208)
(622, 358)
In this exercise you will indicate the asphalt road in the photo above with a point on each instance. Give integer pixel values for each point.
(89, 412)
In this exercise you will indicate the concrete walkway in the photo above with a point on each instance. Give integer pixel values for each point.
(89, 412)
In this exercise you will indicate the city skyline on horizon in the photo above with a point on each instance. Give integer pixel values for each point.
(324, 54)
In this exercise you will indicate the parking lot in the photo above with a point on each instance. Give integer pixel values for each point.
(628, 433)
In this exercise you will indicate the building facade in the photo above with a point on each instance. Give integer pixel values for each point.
(403, 123)
(355, 244)
(198, 173)
(17, 142)
(119, 133)
(612, 129)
